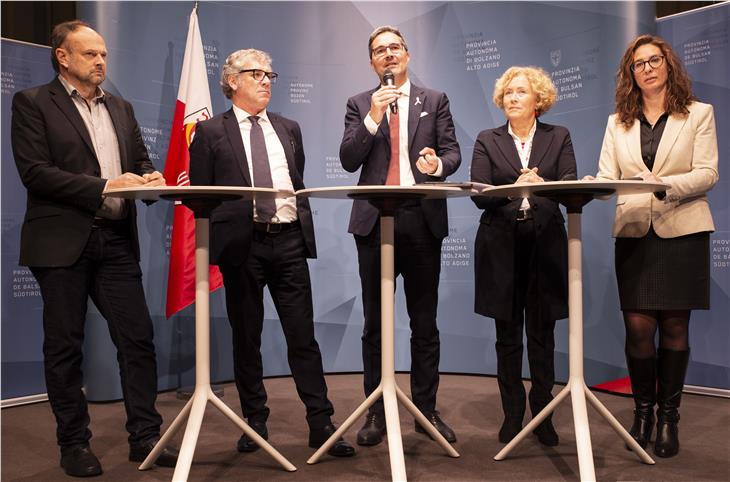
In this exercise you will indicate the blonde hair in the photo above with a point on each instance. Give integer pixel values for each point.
(540, 83)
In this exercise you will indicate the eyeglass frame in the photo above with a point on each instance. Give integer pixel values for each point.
(638, 70)
(399, 45)
(271, 75)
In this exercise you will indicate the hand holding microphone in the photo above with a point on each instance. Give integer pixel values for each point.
(389, 79)
(386, 95)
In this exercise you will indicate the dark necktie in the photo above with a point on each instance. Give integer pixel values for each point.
(265, 208)
(393, 178)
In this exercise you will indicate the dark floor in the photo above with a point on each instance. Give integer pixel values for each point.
(469, 404)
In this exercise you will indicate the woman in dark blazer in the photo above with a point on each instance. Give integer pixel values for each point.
(521, 245)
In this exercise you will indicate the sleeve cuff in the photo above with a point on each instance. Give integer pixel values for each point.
(439, 170)
(370, 125)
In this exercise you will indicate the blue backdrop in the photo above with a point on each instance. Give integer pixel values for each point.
(320, 52)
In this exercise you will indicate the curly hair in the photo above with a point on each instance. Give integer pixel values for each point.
(235, 62)
(540, 83)
(629, 101)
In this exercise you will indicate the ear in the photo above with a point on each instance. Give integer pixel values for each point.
(232, 83)
(62, 57)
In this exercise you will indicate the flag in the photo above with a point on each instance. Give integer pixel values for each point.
(193, 105)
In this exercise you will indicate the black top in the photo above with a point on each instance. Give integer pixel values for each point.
(650, 137)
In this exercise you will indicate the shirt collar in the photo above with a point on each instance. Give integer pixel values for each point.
(405, 89)
(642, 118)
(242, 115)
(71, 90)
(529, 136)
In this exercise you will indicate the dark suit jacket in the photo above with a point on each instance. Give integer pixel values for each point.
(429, 125)
(57, 164)
(218, 158)
(497, 162)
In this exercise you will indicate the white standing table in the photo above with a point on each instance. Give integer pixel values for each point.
(574, 195)
(201, 200)
(387, 199)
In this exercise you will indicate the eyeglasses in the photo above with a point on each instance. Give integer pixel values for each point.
(655, 61)
(258, 75)
(381, 51)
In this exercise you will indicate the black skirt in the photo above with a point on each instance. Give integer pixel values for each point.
(654, 273)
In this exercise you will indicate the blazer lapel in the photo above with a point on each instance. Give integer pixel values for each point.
(61, 98)
(234, 137)
(540, 145)
(669, 136)
(113, 108)
(506, 145)
(414, 112)
(633, 145)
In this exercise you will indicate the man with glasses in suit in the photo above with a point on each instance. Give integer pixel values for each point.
(263, 243)
(400, 134)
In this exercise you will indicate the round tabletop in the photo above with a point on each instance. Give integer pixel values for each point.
(598, 187)
(418, 191)
(182, 193)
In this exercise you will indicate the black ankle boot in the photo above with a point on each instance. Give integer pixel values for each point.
(672, 367)
(642, 372)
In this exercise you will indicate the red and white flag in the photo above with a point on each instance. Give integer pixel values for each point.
(193, 105)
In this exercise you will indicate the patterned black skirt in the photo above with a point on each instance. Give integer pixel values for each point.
(654, 273)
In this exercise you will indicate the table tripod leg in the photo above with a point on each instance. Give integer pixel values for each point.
(618, 428)
(225, 410)
(582, 430)
(527, 430)
(190, 439)
(359, 411)
(392, 422)
(174, 427)
(423, 421)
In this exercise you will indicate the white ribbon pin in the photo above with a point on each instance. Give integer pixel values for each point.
(418, 101)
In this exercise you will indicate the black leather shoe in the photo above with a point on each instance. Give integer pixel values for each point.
(510, 428)
(436, 421)
(546, 433)
(245, 444)
(372, 432)
(139, 452)
(319, 436)
(80, 461)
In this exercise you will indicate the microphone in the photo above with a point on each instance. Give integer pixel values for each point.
(389, 79)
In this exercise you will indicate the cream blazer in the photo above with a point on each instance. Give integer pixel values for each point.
(686, 158)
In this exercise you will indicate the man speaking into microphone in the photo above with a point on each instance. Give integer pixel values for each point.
(400, 134)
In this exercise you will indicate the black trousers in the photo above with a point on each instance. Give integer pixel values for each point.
(418, 261)
(108, 272)
(540, 336)
(279, 262)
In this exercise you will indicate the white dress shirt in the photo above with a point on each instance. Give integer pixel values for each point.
(406, 174)
(286, 209)
(524, 150)
(99, 124)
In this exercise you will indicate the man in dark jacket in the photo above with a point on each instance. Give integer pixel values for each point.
(71, 142)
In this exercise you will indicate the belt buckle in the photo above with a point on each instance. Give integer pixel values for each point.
(523, 215)
(273, 228)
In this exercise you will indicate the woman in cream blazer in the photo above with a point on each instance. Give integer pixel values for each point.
(660, 132)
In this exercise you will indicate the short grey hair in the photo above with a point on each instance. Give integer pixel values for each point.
(383, 29)
(234, 64)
